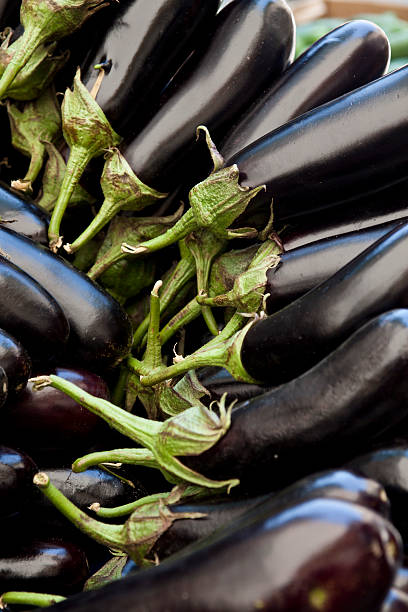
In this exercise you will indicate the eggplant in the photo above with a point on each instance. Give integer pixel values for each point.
(51, 425)
(320, 418)
(142, 49)
(319, 550)
(23, 215)
(41, 565)
(305, 267)
(100, 331)
(290, 341)
(16, 480)
(338, 484)
(343, 149)
(253, 44)
(396, 601)
(15, 366)
(223, 382)
(356, 52)
(31, 314)
(389, 466)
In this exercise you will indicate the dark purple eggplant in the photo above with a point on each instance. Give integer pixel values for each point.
(396, 601)
(389, 466)
(356, 52)
(320, 418)
(41, 565)
(51, 425)
(387, 205)
(16, 480)
(100, 331)
(290, 341)
(142, 50)
(334, 485)
(220, 382)
(20, 213)
(343, 149)
(303, 268)
(15, 366)
(319, 550)
(252, 45)
(31, 314)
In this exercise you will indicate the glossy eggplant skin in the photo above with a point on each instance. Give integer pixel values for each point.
(321, 417)
(389, 466)
(350, 146)
(21, 214)
(303, 268)
(146, 44)
(221, 381)
(396, 601)
(16, 480)
(31, 314)
(357, 52)
(50, 425)
(42, 565)
(334, 484)
(275, 563)
(253, 44)
(387, 205)
(290, 341)
(15, 366)
(100, 331)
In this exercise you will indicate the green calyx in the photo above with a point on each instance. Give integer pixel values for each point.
(88, 134)
(249, 287)
(190, 433)
(122, 190)
(37, 122)
(137, 535)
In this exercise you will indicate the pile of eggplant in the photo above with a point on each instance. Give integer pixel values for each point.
(204, 403)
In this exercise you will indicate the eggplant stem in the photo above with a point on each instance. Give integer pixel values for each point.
(152, 357)
(26, 598)
(189, 313)
(138, 456)
(30, 40)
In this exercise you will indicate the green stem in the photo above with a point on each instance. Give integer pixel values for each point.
(127, 509)
(225, 300)
(107, 211)
(129, 456)
(107, 535)
(223, 351)
(119, 391)
(100, 267)
(184, 226)
(30, 40)
(34, 169)
(24, 598)
(189, 313)
(152, 357)
(78, 159)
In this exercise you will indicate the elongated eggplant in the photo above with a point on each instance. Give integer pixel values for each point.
(305, 267)
(345, 148)
(356, 52)
(320, 417)
(15, 366)
(389, 466)
(16, 480)
(141, 51)
(100, 331)
(31, 314)
(50, 426)
(396, 601)
(31, 564)
(338, 484)
(252, 46)
(387, 205)
(290, 341)
(320, 550)
(22, 215)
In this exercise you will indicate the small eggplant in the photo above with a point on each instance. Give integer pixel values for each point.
(50, 424)
(252, 45)
(141, 51)
(357, 52)
(343, 149)
(31, 314)
(16, 480)
(20, 213)
(15, 366)
(100, 331)
(333, 485)
(30, 564)
(319, 418)
(319, 551)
